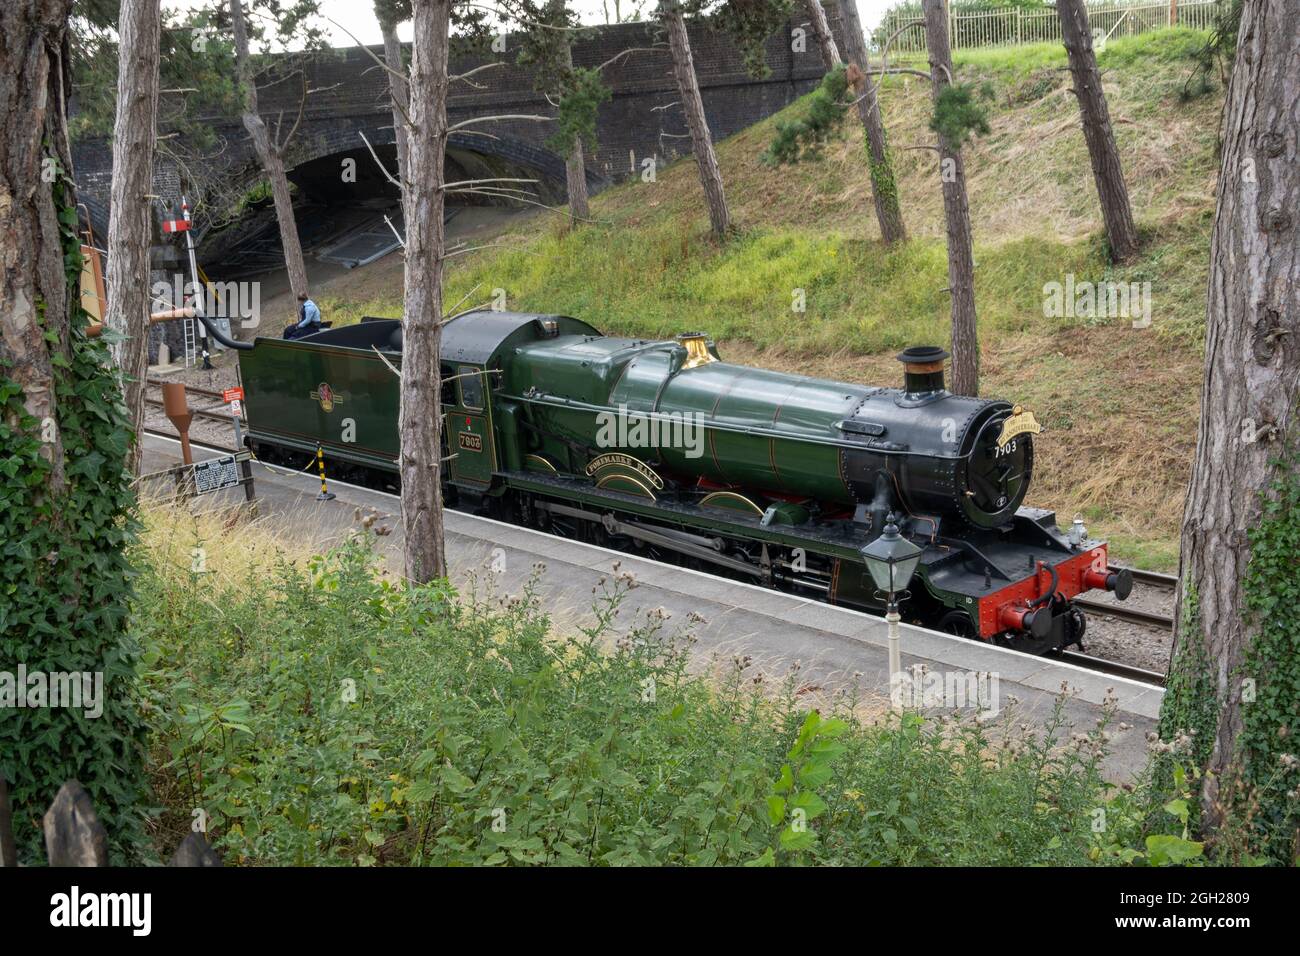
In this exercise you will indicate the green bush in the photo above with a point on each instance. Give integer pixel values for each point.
(322, 715)
(803, 138)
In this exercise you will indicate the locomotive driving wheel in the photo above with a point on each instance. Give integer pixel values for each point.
(959, 624)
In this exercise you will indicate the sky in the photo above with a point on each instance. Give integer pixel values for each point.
(358, 17)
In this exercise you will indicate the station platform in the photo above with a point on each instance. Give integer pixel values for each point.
(834, 648)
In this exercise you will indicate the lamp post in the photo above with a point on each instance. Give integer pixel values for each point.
(892, 561)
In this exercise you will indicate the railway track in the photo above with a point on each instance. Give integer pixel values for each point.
(215, 412)
(1154, 579)
(1113, 668)
(1135, 615)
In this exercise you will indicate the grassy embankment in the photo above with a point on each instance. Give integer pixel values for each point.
(1119, 404)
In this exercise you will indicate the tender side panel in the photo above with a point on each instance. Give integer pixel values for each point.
(299, 394)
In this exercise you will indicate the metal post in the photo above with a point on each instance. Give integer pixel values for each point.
(199, 308)
(245, 467)
(325, 493)
(895, 655)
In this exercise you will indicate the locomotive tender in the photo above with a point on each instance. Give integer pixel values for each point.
(662, 448)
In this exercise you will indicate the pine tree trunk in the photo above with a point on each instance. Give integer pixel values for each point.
(130, 223)
(400, 92)
(575, 167)
(825, 39)
(1106, 168)
(575, 174)
(884, 188)
(34, 293)
(269, 154)
(688, 88)
(420, 420)
(1252, 362)
(961, 264)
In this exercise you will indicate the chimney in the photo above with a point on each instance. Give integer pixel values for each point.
(922, 369)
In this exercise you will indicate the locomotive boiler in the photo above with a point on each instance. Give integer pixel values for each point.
(663, 448)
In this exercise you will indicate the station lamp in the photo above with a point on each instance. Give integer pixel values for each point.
(892, 560)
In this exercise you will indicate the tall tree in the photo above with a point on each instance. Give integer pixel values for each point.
(884, 188)
(956, 210)
(195, 67)
(390, 13)
(575, 162)
(67, 500)
(688, 88)
(1234, 658)
(547, 49)
(822, 31)
(420, 418)
(1097, 132)
(130, 222)
(270, 150)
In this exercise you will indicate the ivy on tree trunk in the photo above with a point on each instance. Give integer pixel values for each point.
(884, 188)
(1241, 520)
(575, 166)
(66, 505)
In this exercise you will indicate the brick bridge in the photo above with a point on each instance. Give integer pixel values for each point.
(643, 119)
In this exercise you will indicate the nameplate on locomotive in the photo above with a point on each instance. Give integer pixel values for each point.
(1021, 421)
(469, 441)
(617, 460)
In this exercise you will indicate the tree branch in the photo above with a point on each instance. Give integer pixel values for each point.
(478, 69)
(500, 116)
(387, 175)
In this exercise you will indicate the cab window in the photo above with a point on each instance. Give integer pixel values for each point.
(471, 387)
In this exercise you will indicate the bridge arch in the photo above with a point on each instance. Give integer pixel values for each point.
(316, 165)
(470, 155)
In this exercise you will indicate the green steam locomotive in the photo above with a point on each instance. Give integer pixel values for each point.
(661, 448)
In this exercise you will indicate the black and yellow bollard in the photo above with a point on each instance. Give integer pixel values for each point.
(325, 493)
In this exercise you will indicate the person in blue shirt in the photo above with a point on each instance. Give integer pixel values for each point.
(308, 319)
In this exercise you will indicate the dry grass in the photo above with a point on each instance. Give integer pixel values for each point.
(234, 541)
(1028, 178)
